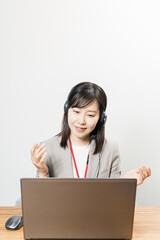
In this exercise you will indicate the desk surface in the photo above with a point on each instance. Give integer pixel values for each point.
(146, 223)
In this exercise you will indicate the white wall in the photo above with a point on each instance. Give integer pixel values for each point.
(49, 46)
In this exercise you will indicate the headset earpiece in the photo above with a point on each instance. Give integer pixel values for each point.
(103, 118)
(66, 107)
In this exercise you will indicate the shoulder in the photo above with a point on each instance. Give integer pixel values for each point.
(110, 146)
(53, 142)
(109, 143)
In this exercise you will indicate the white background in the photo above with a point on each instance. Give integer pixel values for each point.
(46, 47)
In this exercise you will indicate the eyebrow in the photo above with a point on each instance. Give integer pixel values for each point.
(88, 110)
(92, 111)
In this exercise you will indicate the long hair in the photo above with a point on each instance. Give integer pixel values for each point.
(80, 96)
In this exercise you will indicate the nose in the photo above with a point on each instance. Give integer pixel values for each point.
(82, 119)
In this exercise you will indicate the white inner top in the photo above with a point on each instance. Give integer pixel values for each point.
(80, 154)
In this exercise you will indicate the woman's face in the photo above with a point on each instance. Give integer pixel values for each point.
(82, 121)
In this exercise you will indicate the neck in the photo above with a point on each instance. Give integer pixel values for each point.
(78, 141)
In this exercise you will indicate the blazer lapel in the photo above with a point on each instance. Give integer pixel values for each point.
(68, 161)
(93, 162)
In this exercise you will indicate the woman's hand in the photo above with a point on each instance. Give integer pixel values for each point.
(38, 156)
(140, 174)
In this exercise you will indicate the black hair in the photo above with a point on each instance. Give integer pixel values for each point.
(80, 96)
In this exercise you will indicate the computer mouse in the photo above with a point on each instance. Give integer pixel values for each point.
(14, 223)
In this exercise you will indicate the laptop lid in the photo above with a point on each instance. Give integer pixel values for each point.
(56, 208)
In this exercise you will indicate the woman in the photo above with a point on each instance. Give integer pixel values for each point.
(80, 149)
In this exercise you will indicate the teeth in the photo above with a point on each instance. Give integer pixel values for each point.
(80, 128)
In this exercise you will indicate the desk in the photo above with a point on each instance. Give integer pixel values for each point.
(146, 223)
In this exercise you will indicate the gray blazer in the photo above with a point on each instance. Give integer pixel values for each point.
(102, 165)
(105, 164)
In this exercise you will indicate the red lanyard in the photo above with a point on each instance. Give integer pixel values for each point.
(74, 160)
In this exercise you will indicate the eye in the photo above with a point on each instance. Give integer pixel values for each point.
(75, 111)
(90, 115)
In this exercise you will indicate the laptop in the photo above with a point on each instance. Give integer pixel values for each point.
(55, 208)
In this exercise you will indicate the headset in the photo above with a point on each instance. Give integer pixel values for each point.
(103, 118)
(66, 106)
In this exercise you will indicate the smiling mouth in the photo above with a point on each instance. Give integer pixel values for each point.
(80, 129)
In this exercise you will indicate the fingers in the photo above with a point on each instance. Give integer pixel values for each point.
(145, 172)
(34, 148)
(38, 153)
(137, 171)
(43, 157)
(39, 147)
(149, 170)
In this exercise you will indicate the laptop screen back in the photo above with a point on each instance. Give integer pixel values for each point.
(78, 208)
